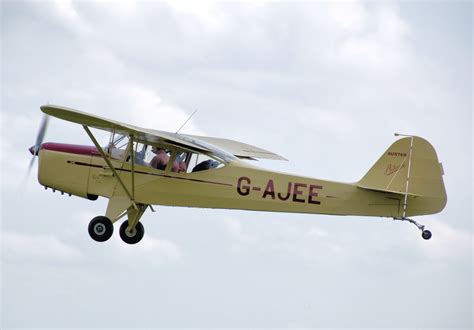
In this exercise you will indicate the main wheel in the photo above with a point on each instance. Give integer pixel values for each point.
(101, 228)
(426, 234)
(134, 236)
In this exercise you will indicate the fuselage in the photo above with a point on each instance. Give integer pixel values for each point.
(81, 171)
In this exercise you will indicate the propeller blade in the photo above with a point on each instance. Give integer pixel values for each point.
(39, 140)
(35, 149)
(31, 165)
(42, 131)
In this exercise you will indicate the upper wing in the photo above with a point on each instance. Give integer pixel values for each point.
(239, 149)
(142, 134)
(221, 147)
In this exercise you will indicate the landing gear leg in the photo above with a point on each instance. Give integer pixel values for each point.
(131, 230)
(426, 234)
(131, 236)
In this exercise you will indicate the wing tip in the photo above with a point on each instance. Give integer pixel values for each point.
(50, 109)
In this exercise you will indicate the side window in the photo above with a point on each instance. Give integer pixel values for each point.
(141, 154)
(148, 153)
(117, 146)
(201, 162)
(156, 157)
(159, 158)
(182, 161)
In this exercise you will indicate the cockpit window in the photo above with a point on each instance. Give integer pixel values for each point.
(162, 158)
(116, 148)
(182, 161)
(201, 162)
(120, 141)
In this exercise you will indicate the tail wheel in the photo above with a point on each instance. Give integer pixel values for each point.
(426, 234)
(101, 229)
(134, 236)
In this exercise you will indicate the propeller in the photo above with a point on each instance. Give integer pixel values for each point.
(39, 140)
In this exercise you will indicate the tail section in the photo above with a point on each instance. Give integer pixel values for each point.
(426, 192)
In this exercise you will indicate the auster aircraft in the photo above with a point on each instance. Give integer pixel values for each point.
(141, 167)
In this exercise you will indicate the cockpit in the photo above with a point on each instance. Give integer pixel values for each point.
(167, 157)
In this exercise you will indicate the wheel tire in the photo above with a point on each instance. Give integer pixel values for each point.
(426, 234)
(101, 228)
(132, 238)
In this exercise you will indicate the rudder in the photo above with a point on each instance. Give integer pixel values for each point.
(426, 191)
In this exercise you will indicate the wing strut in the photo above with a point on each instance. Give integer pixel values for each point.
(102, 153)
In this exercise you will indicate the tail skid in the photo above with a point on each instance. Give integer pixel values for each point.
(426, 234)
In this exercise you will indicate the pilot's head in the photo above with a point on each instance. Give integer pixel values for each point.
(157, 150)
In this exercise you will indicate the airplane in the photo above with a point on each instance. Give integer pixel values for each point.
(140, 167)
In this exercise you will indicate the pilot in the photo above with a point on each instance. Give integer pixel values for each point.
(161, 158)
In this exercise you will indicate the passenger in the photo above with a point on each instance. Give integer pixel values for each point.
(160, 160)
(180, 163)
(175, 167)
(179, 167)
(182, 167)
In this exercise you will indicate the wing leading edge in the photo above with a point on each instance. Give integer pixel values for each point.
(218, 146)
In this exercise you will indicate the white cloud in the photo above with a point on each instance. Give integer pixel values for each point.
(317, 232)
(311, 244)
(70, 18)
(31, 247)
(241, 240)
(382, 46)
(205, 10)
(149, 110)
(327, 122)
(150, 251)
(350, 16)
(315, 244)
(448, 244)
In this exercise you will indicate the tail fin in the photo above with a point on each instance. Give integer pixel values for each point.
(426, 192)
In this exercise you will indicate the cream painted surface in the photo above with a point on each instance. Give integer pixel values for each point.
(239, 185)
(219, 188)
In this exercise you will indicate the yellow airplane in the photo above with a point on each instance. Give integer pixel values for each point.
(142, 167)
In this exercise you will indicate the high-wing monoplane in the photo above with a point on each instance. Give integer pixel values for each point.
(139, 168)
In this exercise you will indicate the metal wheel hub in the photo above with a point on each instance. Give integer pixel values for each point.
(99, 229)
(131, 233)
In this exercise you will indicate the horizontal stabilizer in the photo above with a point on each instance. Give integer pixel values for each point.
(390, 191)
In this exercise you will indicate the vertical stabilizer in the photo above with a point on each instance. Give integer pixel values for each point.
(426, 191)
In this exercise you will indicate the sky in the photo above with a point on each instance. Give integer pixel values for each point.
(324, 84)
